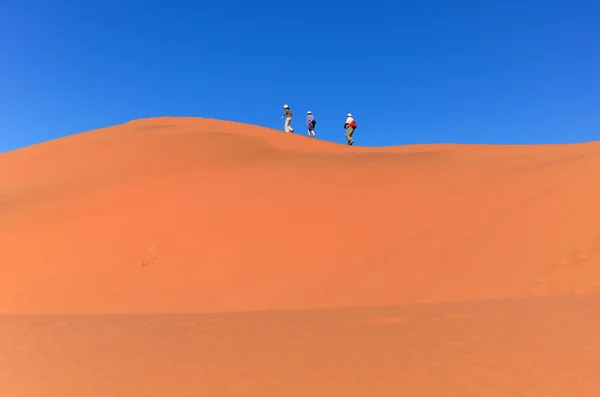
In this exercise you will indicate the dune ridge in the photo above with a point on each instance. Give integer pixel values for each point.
(246, 218)
(184, 257)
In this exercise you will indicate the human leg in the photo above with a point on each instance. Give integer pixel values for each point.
(348, 135)
(286, 125)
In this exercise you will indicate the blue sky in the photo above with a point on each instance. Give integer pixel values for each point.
(422, 71)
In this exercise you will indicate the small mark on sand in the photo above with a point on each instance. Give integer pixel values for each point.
(595, 248)
(387, 320)
(554, 280)
(145, 262)
(577, 261)
(538, 288)
(592, 289)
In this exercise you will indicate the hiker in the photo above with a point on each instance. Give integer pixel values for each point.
(310, 124)
(287, 113)
(350, 126)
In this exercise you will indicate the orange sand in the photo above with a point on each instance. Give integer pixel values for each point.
(488, 258)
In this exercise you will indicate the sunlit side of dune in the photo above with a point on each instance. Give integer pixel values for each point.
(174, 215)
(425, 271)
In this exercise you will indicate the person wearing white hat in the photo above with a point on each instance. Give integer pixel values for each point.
(310, 124)
(350, 126)
(287, 113)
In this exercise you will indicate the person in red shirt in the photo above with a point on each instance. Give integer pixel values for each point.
(350, 126)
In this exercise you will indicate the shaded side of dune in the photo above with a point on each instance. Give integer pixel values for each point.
(536, 347)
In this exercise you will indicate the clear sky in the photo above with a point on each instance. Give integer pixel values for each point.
(421, 71)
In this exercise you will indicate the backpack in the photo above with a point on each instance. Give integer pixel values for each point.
(353, 124)
(314, 122)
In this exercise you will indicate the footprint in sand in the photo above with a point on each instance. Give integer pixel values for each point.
(575, 259)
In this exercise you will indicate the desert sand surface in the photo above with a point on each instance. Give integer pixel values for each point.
(186, 257)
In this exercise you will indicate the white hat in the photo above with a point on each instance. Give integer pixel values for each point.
(349, 115)
(285, 106)
(309, 112)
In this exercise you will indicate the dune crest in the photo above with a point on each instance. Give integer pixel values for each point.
(175, 215)
(429, 270)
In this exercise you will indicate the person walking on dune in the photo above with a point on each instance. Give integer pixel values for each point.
(287, 113)
(350, 126)
(310, 124)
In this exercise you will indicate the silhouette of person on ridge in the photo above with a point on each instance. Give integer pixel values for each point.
(349, 126)
(287, 113)
(310, 124)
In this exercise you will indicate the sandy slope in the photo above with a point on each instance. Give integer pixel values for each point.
(546, 347)
(245, 218)
(175, 215)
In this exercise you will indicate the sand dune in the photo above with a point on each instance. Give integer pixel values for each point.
(229, 217)
(489, 255)
(534, 347)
